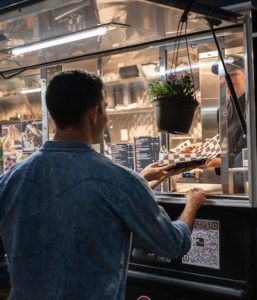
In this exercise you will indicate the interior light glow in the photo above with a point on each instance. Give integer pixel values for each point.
(73, 37)
(30, 91)
(186, 68)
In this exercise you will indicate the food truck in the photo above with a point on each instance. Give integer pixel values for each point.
(132, 44)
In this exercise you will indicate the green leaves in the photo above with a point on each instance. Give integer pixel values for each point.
(157, 88)
(172, 86)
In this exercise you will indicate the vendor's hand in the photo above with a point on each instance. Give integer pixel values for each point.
(212, 163)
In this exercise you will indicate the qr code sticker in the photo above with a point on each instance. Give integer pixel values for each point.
(205, 249)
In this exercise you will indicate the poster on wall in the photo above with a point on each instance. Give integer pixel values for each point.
(11, 158)
(19, 141)
(11, 137)
(205, 249)
(31, 135)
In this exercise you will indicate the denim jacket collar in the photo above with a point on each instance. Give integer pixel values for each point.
(68, 146)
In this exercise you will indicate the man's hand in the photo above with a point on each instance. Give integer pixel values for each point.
(156, 173)
(195, 198)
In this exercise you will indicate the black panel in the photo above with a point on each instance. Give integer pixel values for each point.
(158, 289)
(237, 260)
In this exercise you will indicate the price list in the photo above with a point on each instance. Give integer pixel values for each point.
(147, 150)
(123, 154)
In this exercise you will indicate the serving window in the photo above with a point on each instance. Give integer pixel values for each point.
(132, 118)
(131, 137)
(226, 169)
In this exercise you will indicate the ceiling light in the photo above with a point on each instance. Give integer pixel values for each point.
(186, 68)
(30, 91)
(73, 37)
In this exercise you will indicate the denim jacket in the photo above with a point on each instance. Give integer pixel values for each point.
(66, 218)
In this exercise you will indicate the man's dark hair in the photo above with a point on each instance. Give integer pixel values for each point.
(69, 94)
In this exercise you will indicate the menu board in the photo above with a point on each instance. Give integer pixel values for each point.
(123, 154)
(147, 150)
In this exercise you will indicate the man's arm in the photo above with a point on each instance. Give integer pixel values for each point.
(195, 199)
(151, 224)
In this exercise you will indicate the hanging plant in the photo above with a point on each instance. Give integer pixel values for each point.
(174, 97)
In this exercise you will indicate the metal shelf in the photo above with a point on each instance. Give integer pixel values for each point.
(130, 110)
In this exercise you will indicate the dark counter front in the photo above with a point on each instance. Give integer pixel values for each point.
(220, 265)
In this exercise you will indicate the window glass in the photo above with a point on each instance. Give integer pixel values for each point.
(226, 169)
(132, 137)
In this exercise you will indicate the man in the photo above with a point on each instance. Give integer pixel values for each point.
(67, 212)
(236, 139)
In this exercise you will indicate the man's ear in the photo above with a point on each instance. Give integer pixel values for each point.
(92, 114)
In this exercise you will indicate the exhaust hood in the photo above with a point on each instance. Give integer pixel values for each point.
(38, 21)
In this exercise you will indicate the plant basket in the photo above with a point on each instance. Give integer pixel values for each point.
(174, 114)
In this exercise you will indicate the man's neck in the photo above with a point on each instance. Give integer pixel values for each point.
(72, 134)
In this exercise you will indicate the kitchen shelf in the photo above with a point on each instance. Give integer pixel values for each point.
(130, 110)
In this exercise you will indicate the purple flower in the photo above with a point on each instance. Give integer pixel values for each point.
(179, 82)
(171, 77)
